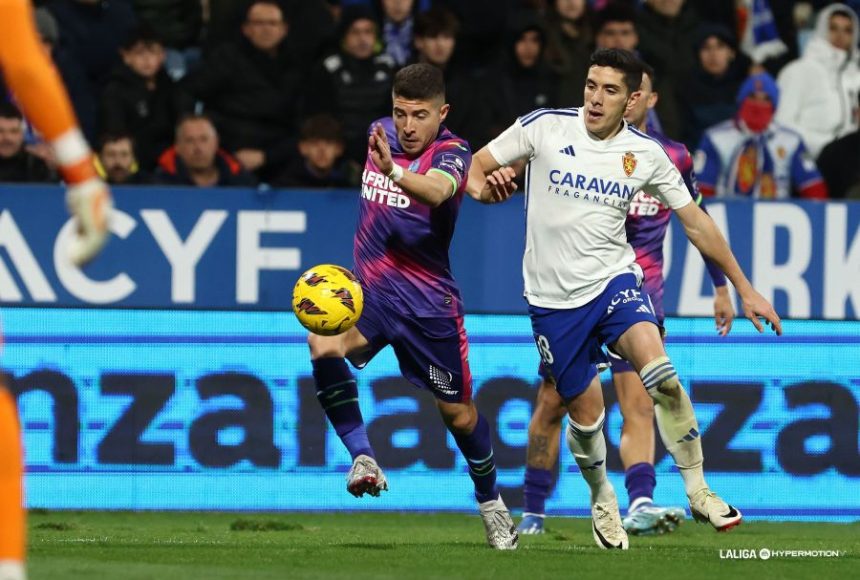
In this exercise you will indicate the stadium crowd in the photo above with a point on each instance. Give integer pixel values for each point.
(281, 92)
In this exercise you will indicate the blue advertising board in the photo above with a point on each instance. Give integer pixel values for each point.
(136, 409)
(243, 249)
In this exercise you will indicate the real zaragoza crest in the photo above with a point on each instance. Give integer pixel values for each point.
(629, 163)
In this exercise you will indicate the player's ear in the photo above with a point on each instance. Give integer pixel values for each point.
(652, 100)
(443, 111)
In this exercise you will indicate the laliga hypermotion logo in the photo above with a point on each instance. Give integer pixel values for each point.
(308, 307)
(629, 163)
(346, 299)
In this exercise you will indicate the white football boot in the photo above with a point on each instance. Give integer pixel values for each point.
(606, 525)
(365, 476)
(707, 507)
(501, 531)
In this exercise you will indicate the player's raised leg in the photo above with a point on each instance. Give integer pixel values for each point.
(12, 529)
(337, 392)
(542, 455)
(642, 346)
(637, 455)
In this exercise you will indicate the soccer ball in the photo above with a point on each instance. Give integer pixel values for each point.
(328, 300)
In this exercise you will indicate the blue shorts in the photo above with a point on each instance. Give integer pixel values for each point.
(570, 340)
(433, 353)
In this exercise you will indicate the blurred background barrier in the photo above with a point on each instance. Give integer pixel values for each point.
(180, 409)
(243, 249)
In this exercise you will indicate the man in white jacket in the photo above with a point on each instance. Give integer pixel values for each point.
(820, 89)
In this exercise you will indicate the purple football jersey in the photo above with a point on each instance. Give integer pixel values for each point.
(648, 219)
(401, 245)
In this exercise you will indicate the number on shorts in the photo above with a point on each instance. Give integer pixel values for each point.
(543, 348)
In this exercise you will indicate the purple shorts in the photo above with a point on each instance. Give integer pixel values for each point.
(433, 353)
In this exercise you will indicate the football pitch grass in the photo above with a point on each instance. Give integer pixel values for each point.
(212, 546)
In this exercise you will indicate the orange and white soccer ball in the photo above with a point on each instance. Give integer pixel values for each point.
(328, 300)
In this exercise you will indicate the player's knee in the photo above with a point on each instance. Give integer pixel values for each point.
(326, 346)
(459, 419)
(661, 380)
(549, 408)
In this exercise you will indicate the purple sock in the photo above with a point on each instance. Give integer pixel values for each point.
(536, 490)
(640, 481)
(338, 395)
(478, 451)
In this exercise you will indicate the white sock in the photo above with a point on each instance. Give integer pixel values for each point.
(676, 422)
(589, 449)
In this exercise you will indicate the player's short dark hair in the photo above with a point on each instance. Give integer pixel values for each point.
(437, 21)
(141, 34)
(321, 127)
(420, 82)
(621, 60)
(842, 13)
(114, 136)
(614, 12)
(10, 111)
(647, 69)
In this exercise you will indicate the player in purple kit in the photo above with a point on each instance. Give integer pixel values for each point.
(647, 221)
(413, 184)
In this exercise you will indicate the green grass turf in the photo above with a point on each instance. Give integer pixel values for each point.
(211, 546)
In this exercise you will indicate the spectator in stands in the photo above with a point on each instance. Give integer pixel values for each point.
(752, 156)
(16, 164)
(523, 81)
(321, 164)
(839, 163)
(117, 163)
(178, 23)
(708, 96)
(197, 160)
(568, 49)
(615, 27)
(819, 90)
(92, 31)
(354, 84)
(140, 98)
(252, 90)
(667, 30)
(435, 43)
(396, 26)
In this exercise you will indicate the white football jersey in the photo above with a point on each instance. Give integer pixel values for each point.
(577, 193)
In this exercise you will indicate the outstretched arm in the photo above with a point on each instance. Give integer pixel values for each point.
(489, 182)
(703, 233)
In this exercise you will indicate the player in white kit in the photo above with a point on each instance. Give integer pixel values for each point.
(582, 283)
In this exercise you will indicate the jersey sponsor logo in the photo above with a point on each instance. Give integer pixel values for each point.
(628, 162)
(625, 296)
(380, 189)
(645, 205)
(594, 189)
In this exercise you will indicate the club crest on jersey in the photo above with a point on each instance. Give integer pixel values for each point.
(629, 163)
(413, 167)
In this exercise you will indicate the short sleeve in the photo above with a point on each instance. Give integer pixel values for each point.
(452, 160)
(666, 182)
(516, 142)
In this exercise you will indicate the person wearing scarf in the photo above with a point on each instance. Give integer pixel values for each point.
(752, 156)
